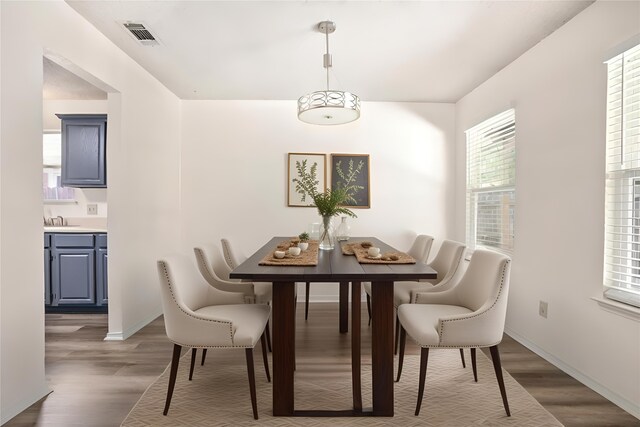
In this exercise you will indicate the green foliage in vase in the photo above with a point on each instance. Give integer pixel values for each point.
(348, 179)
(328, 202)
(304, 237)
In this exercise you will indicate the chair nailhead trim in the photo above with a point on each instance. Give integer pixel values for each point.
(166, 274)
(458, 346)
(213, 346)
(442, 322)
(203, 262)
(227, 254)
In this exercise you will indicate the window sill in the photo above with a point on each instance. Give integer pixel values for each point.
(468, 253)
(618, 308)
(60, 202)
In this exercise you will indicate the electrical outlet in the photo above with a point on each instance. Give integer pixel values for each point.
(543, 309)
(92, 209)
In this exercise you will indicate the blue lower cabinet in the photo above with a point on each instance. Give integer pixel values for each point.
(76, 271)
(73, 276)
(47, 276)
(101, 277)
(47, 269)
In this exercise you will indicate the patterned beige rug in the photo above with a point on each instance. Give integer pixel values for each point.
(219, 395)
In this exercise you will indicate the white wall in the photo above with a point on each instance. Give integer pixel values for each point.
(69, 106)
(234, 171)
(75, 213)
(143, 171)
(558, 89)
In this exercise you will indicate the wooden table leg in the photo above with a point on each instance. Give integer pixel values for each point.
(344, 307)
(356, 374)
(283, 318)
(382, 347)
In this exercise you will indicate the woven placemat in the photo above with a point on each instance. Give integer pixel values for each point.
(308, 257)
(355, 248)
(347, 248)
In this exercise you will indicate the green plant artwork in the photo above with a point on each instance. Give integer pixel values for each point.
(351, 172)
(327, 202)
(347, 179)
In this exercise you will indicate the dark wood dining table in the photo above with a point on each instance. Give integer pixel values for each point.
(333, 266)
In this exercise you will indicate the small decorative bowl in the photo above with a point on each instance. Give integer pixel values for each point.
(294, 251)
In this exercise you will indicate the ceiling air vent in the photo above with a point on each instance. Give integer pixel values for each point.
(140, 33)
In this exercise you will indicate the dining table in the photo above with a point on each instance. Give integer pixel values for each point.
(334, 266)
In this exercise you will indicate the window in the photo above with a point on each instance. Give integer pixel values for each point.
(51, 159)
(622, 187)
(491, 184)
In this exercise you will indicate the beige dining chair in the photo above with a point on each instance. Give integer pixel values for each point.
(419, 250)
(468, 315)
(205, 259)
(197, 315)
(263, 290)
(446, 264)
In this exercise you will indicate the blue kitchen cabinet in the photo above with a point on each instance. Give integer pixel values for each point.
(73, 272)
(47, 269)
(76, 272)
(102, 257)
(84, 150)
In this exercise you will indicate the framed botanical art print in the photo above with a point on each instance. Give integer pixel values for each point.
(313, 163)
(352, 171)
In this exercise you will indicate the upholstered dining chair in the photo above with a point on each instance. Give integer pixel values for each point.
(470, 314)
(263, 290)
(197, 315)
(205, 259)
(446, 264)
(419, 250)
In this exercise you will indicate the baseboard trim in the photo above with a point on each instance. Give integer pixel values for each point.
(121, 336)
(319, 298)
(594, 385)
(9, 413)
(322, 298)
(325, 298)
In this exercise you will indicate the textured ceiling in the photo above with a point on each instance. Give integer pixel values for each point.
(64, 85)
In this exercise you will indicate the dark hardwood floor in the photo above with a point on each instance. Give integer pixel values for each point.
(96, 383)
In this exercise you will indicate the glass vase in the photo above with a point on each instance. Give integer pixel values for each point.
(314, 231)
(327, 234)
(344, 230)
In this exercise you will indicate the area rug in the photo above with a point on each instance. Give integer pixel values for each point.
(219, 395)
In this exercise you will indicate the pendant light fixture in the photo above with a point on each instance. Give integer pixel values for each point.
(328, 107)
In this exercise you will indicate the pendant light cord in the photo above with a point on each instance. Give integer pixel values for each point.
(327, 57)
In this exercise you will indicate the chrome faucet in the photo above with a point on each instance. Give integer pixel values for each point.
(57, 221)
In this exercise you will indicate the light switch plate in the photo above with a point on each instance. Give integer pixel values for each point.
(543, 309)
(92, 209)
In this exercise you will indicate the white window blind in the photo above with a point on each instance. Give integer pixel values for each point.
(622, 194)
(52, 189)
(491, 191)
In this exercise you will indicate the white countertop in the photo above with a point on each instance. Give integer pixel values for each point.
(74, 229)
